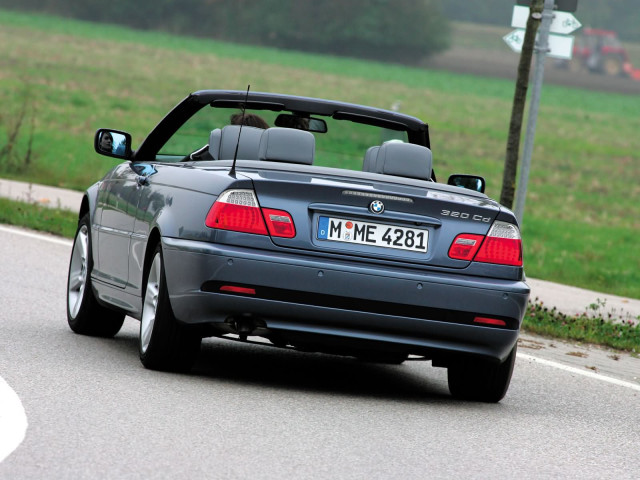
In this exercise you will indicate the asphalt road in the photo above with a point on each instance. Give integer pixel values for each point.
(253, 412)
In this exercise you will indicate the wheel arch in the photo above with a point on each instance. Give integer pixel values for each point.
(163, 224)
(155, 238)
(84, 207)
(89, 201)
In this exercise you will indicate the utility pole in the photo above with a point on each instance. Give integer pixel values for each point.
(553, 40)
(519, 100)
(541, 54)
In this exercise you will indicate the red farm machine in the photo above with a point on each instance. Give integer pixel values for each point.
(600, 51)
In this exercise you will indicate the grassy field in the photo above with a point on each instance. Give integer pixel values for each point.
(63, 223)
(62, 79)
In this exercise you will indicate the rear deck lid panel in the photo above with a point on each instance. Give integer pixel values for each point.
(407, 223)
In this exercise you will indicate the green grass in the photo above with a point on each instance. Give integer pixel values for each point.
(564, 248)
(582, 213)
(593, 326)
(37, 217)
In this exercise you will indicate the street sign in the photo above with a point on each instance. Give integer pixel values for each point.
(515, 39)
(563, 22)
(560, 46)
(562, 5)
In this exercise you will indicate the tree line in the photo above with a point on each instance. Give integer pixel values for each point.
(404, 31)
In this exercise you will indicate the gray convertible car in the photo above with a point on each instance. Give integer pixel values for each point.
(314, 224)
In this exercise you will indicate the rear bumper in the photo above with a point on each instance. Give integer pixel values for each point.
(419, 312)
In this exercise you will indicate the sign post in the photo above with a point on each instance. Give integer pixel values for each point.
(559, 46)
(562, 22)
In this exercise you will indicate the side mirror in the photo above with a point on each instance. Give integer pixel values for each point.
(309, 124)
(470, 182)
(113, 143)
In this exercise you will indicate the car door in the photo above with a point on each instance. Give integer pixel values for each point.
(117, 203)
(150, 201)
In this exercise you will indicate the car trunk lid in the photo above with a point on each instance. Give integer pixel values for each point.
(373, 217)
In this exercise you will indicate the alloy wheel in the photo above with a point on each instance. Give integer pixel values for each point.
(78, 271)
(150, 306)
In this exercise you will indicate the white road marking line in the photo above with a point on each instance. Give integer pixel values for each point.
(37, 236)
(586, 373)
(13, 420)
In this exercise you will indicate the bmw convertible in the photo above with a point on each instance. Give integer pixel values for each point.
(299, 223)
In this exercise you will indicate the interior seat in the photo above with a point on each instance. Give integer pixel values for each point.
(369, 163)
(287, 145)
(223, 142)
(404, 160)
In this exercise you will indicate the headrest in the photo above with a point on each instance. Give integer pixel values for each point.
(287, 145)
(369, 163)
(222, 143)
(404, 160)
(379, 159)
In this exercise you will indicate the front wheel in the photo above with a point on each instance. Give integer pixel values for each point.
(164, 343)
(84, 314)
(481, 380)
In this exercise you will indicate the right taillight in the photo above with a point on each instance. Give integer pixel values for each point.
(465, 246)
(502, 245)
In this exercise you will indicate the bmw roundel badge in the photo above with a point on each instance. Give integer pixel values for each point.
(376, 206)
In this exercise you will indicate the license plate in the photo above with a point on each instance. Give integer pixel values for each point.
(375, 234)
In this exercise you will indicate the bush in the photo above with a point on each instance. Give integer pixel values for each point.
(403, 31)
(399, 30)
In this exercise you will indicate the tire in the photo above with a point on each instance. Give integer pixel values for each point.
(164, 344)
(480, 380)
(612, 65)
(84, 314)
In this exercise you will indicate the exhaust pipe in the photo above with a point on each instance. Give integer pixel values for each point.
(245, 325)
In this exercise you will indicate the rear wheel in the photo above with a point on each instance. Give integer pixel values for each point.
(84, 314)
(613, 65)
(481, 380)
(164, 343)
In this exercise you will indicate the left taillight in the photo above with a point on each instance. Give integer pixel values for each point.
(502, 245)
(239, 211)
